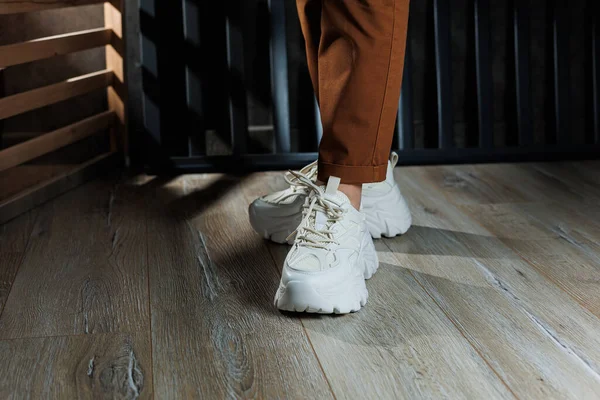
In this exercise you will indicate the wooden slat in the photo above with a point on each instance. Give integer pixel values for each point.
(38, 49)
(54, 186)
(33, 99)
(49, 142)
(116, 95)
(21, 6)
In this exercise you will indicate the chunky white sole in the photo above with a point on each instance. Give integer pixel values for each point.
(331, 295)
(387, 215)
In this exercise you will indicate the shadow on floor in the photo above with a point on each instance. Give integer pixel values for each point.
(444, 242)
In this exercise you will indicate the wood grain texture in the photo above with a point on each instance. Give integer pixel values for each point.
(400, 345)
(215, 331)
(38, 49)
(499, 302)
(55, 140)
(21, 6)
(559, 243)
(558, 230)
(103, 366)
(550, 242)
(468, 184)
(47, 182)
(117, 93)
(14, 237)
(37, 98)
(85, 269)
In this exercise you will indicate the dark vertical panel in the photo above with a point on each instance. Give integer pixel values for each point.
(484, 73)
(170, 52)
(596, 70)
(318, 122)
(193, 78)
(441, 17)
(238, 113)
(279, 77)
(560, 33)
(522, 39)
(404, 127)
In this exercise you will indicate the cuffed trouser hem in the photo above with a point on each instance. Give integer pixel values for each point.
(352, 174)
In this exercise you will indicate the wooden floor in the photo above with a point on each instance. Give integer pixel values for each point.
(149, 287)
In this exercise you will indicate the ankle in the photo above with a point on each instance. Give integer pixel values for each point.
(353, 192)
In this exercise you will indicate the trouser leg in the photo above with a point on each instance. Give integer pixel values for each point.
(357, 77)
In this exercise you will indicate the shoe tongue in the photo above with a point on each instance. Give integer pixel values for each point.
(330, 192)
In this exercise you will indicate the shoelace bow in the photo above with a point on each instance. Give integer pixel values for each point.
(309, 172)
(306, 234)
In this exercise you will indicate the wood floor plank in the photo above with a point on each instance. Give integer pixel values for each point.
(468, 186)
(99, 366)
(14, 237)
(558, 232)
(533, 184)
(533, 335)
(85, 269)
(551, 246)
(399, 346)
(577, 178)
(215, 332)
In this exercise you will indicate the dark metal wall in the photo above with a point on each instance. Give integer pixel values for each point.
(224, 84)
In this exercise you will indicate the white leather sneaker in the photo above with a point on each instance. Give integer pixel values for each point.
(277, 215)
(332, 255)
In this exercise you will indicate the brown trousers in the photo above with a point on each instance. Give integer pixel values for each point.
(355, 52)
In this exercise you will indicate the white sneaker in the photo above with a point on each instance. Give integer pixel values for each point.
(332, 255)
(277, 215)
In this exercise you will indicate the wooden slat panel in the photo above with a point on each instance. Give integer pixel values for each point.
(116, 94)
(33, 99)
(49, 142)
(38, 49)
(21, 6)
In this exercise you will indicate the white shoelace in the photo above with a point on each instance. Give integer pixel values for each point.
(308, 235)
(309, 172)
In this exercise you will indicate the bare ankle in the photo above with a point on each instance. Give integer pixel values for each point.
(353, 192)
